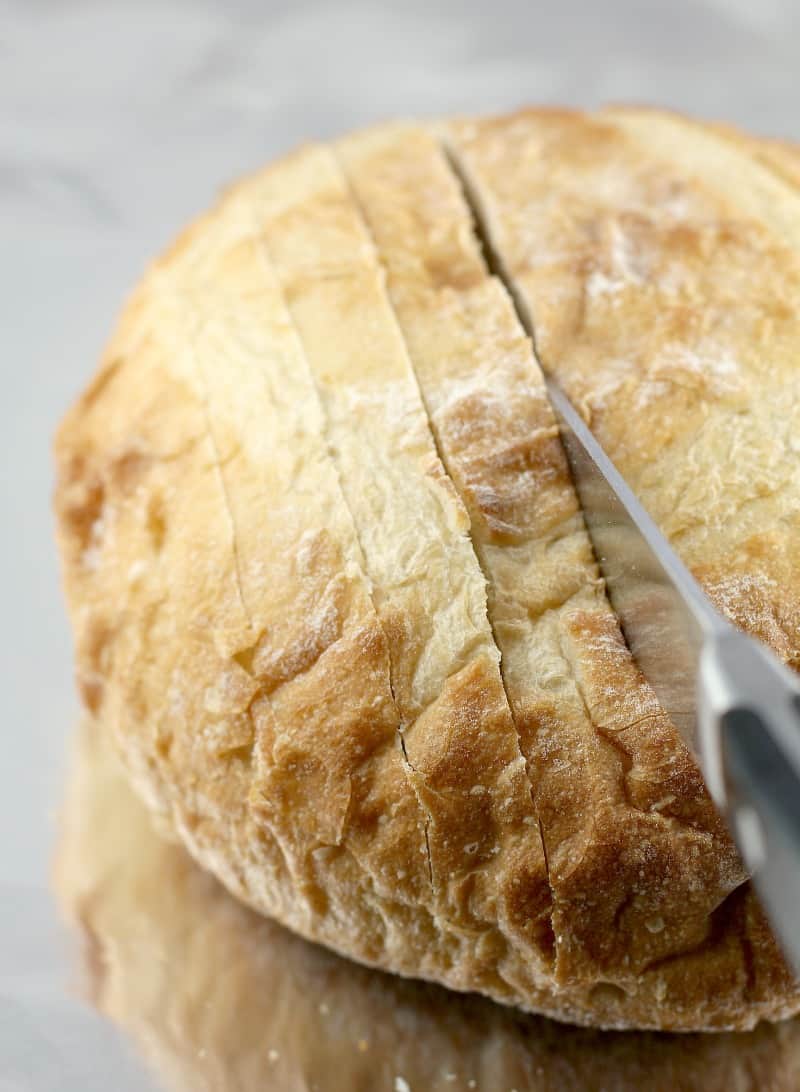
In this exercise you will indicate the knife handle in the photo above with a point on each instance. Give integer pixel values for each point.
(749, 706)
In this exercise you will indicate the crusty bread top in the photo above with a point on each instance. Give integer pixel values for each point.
(658, 265)
(333, 594)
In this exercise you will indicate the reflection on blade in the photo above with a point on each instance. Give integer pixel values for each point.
(221, 999)
(663, 611)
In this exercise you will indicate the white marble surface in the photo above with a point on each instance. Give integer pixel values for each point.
(118, 120)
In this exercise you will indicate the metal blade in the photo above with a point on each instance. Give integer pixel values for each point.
(663, 611)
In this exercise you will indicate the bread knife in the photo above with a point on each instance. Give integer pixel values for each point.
(735, 703)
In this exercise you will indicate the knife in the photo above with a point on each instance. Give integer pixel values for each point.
(735, 703)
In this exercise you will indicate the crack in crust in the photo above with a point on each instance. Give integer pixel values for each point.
(623, 757)
(219, 468)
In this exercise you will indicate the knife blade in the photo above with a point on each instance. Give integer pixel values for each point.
(735, 703)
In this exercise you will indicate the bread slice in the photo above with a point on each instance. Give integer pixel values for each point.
(292, 610)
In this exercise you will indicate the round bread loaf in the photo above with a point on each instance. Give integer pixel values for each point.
(331, 587)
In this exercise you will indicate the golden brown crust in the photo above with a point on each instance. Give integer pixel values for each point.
(161, 938)
(293, 547)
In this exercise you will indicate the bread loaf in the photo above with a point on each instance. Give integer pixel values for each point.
(330, 584)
